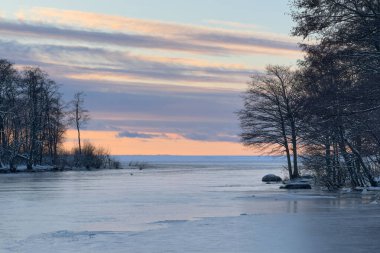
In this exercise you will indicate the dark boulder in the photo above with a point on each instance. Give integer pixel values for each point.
(271, 178)
(293, 186)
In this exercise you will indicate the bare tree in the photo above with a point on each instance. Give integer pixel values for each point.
(269, 114)
(78, 115)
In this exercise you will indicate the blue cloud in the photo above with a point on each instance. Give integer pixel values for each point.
(139, 135)
(212, 136)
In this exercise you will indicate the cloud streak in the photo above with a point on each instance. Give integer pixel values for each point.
(86, 63)
(117, 39)
(197, 136)
(129, 32)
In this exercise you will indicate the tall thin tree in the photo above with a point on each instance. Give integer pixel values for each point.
(78, 116)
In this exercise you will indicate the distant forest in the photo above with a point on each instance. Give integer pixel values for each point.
(326, 111)
(33, 121)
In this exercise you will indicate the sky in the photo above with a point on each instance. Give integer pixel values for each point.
(160, 76)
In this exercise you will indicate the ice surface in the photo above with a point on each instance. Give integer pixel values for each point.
(303, 232)
(194, 206)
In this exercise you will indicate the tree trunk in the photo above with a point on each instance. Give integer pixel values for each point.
(364, 166)
(290, 117)
(286, 143)
(79, 144)
(342, 147)
(328, 161)
(78, 130)
(289, 161)
(294, 149)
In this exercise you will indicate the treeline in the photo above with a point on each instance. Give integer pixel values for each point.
(328, 109)
(33, 120)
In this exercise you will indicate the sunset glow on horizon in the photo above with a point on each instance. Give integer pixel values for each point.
(157, 80)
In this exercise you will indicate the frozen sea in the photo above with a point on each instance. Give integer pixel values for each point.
(180, 204)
